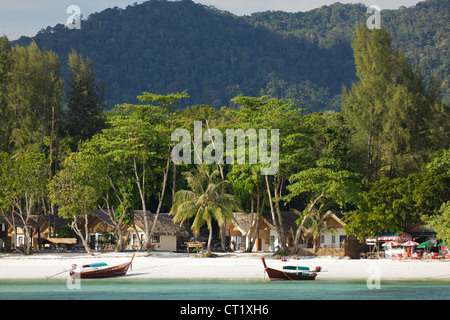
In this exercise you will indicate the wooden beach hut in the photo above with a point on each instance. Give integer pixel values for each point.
(167, 235)
(243, 228)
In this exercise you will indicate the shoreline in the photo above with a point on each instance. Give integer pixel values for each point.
(224, 266)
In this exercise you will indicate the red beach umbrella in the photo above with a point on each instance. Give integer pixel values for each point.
(390, 244)
(410, 244)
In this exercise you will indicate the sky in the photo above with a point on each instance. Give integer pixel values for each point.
(26, 17)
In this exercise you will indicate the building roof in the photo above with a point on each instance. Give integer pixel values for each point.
(63, 240)
(288, 218)
(164, 225)
(243, 222)
(56, 220)
(421, 229)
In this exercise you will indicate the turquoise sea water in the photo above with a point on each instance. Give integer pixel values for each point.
(130, 289)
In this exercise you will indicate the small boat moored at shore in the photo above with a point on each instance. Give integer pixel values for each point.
(295, 273)
(100, 270)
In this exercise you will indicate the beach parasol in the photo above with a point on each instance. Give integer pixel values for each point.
(390, 244)
(409, 244)
(425, 244)
(442, 244)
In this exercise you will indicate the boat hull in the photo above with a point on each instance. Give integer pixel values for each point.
(107, 272)
(283, 275)
(115, 271)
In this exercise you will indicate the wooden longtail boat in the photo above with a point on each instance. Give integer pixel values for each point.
(291, 273)
(101, 270)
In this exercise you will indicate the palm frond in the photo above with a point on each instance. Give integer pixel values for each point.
(198, 221)
(184, 195)
(183, 211)
(194, 183)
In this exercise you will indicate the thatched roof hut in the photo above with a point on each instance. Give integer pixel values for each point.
(164, 225)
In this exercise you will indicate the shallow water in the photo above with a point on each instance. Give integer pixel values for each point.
(129, 289)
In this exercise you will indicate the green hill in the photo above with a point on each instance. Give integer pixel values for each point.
(166, 46)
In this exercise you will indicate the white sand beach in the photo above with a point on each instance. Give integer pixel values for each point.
(225, 266)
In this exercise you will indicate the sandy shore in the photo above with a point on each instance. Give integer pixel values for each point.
(236, 266)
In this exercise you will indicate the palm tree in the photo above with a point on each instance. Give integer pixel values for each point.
(316, 224)
(206, 200)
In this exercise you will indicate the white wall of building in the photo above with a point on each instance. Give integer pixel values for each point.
(333, 240)
(164, 243)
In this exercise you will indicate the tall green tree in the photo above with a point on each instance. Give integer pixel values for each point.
(6, 110)
(388, 206)
(84, 114)
(168, 102)
(76, 190)
(392, 205)
(440, 220)
(441, 223)
(24, 182)
(136, 144)
(293, 141)
(35, 91)
(389, 110)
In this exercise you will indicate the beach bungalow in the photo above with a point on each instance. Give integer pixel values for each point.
(42, 227)
(243, 228)
(335, 239)
(167, 235)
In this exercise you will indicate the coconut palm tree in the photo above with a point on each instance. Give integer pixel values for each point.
(206, 200)
(316, 224)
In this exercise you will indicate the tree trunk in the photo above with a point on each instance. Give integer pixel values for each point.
(174, 182)
(161, 197)
(119, 232)
(300, 227)
(24, 217)
(84, 238)
(275, 219)
(298, 235)
(28, 240)
(119, 246)
(208, 249)
(315, 241)
(141, 189)
(255, 234)
(39, 224)
(223, 236)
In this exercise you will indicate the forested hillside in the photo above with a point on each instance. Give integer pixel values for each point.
(165, 46)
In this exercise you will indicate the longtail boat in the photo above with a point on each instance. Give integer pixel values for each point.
(100, 270)
(291, 272)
